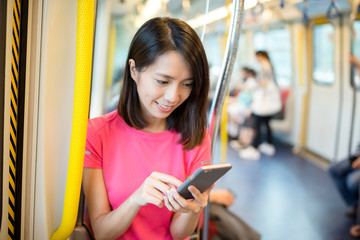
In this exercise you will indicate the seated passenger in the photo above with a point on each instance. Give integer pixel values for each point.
(136, 156)
(355, 230)
(346, 176)
(239, 106)
(223, 224)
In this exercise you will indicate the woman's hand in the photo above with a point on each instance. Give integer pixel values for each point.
(154, 188)
(176, 203)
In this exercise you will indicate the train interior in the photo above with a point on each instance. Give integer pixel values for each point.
(289, 195)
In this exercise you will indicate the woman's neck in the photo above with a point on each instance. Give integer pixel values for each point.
(155, 126)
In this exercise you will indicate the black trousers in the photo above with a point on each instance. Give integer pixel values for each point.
(259, 122)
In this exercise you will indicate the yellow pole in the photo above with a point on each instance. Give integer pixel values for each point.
(84, 47)
(224, 118)
(306, 85)
(223, 132)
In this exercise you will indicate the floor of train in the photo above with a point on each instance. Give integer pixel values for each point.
(286, 197)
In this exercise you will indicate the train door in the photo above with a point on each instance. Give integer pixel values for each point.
(324, 107)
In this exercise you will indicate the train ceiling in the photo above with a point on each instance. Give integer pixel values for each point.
(140, 10)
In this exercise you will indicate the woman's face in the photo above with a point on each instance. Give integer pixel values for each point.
(162, 87)
(259, 58)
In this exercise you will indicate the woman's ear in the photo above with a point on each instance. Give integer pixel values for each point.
(133, 72)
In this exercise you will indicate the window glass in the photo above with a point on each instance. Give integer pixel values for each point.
(323, 57)
(278, 45)
(356, 50)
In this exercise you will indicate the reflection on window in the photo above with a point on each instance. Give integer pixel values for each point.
(278, 44)
(323, 47)
(356, 50)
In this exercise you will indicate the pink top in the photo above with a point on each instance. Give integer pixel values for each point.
(128, 156)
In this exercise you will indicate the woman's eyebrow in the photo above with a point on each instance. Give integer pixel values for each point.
(170, 77)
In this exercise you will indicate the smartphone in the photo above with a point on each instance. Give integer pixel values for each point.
(203, 178)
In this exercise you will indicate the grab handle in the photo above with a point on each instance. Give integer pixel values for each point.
(84, 48)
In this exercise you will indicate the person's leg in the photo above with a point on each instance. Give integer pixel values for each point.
(269, 138)
(251, 151)
(257, 129)
(353, 182)
(339, 173)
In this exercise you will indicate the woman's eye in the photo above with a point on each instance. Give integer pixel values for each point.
(161, 82)
(188, 85)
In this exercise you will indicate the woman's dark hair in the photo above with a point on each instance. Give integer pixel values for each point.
(249, 71)
(265, 55)
(156, 37)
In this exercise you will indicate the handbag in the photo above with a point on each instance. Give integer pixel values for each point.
(267, 100)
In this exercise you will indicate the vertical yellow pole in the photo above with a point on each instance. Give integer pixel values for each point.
(306, 85)
(224, 118)
(223, 132)
(111, 53)
(84, 47)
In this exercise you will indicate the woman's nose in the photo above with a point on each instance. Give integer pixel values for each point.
(172, 94)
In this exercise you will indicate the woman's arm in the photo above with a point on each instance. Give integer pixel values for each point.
(187, 212)
(107, 224)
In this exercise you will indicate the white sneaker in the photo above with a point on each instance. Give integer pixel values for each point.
(267, 149)
(249, 153)
(235, 144)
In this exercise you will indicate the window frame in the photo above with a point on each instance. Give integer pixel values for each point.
(316, 81)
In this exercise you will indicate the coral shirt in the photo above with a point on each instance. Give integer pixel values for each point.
(128, 156)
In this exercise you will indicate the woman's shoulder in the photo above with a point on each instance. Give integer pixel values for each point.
(107, 120)
(266, 67)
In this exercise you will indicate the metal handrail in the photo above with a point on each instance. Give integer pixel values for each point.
(356, 6)
(258, 9)
(223, 82)
(305, 11)
(332, 6)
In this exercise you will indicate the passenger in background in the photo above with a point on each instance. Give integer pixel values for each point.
(355, 230)
(223, 224)
(137, 156)
(346, 176)
(239, 105)
(266, 103)
(355, 62)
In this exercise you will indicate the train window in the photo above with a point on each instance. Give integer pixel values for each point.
(323, 54)
(278, 44)
(356, 50)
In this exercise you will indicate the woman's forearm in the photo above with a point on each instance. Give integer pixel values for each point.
(115, 223)
(183, 224)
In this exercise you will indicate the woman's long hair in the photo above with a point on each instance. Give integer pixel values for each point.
(156, 37)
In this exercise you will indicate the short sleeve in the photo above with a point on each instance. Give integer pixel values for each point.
(201, 155)
(93, 156)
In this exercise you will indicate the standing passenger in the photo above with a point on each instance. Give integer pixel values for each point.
(266, 103)
(138, 155)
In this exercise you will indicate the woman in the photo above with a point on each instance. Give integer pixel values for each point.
(266, 103)
(138, 155)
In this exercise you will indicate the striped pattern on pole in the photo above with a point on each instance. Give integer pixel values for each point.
(13, 117)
